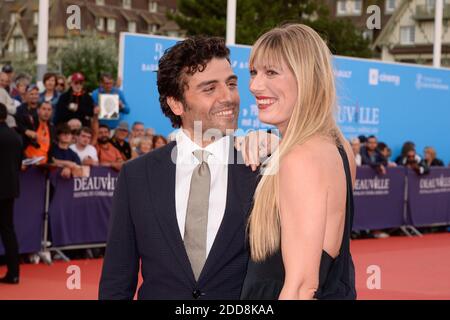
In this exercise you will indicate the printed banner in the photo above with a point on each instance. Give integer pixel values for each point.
(29, 211)
(80, 207)
(429, 197)
(379, 199)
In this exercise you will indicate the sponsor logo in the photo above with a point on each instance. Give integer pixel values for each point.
(376, 77)
(347, 74)
(94, 186)
(426, 82)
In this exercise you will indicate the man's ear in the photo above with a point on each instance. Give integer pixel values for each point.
(175, 105)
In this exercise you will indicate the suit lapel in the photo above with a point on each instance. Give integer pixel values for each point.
(163, 170)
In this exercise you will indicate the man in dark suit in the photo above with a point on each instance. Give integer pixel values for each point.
(27, 118)
(10, 163)
(180, 212)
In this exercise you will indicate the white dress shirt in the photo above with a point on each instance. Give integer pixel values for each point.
(218, 166)
(89, 151)
(358, 160)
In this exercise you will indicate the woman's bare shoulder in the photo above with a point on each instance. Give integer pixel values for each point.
(315, 149)
(318, 156)
(312, 157)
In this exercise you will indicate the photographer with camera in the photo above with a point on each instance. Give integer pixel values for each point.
(412, 161)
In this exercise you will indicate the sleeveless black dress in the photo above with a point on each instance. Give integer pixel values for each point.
(264, 280)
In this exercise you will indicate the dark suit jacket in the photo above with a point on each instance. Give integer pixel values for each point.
(144, 233)
(374, 163)
(26, 119)
(10, 162)
(84, 112)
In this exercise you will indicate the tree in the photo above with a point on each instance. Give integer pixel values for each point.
(255, 17)
(91, 55)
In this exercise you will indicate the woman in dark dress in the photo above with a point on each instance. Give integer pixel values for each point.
(300, 224)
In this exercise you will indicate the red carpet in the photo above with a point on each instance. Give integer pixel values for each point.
(411, 268)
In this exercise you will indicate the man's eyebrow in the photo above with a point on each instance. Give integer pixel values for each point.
(208, 82)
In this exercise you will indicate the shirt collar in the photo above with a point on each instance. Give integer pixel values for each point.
(185, 147)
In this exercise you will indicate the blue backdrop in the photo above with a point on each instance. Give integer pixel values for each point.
(396, 102)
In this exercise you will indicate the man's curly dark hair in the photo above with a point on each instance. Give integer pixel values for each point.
(185, 58)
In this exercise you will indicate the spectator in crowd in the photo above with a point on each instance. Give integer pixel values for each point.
(149, 132)
(83, 148)
(420, 167)
(137, 132)
(372, 157)
(107, 87)
(159, 141)
(6, 99)
(119, 140)
(27, 118)
(407, 146)
(60, 86)
(45, 135)
(356, 147)
(49, 94)
(145, 145)
(362, 140)
(75, 126)
(8, 70)
(108, 155)
(75, 103)
(10, 163)
(386, 153)
(21, 84)
(430, 158)
(63, 156)
(4, 81)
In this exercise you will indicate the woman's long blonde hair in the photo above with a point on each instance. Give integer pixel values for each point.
(309, 59)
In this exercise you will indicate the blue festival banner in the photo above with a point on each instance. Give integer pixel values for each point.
(396, 102)
(379, 199)
(80, 207)
(29, 211)
(429, 197)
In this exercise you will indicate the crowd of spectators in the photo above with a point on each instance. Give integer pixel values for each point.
(368, 151)
(60, 124)
(61, 130)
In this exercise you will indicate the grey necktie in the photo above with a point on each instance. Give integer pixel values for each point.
(197, 213)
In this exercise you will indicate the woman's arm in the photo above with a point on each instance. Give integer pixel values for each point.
(303, 204)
